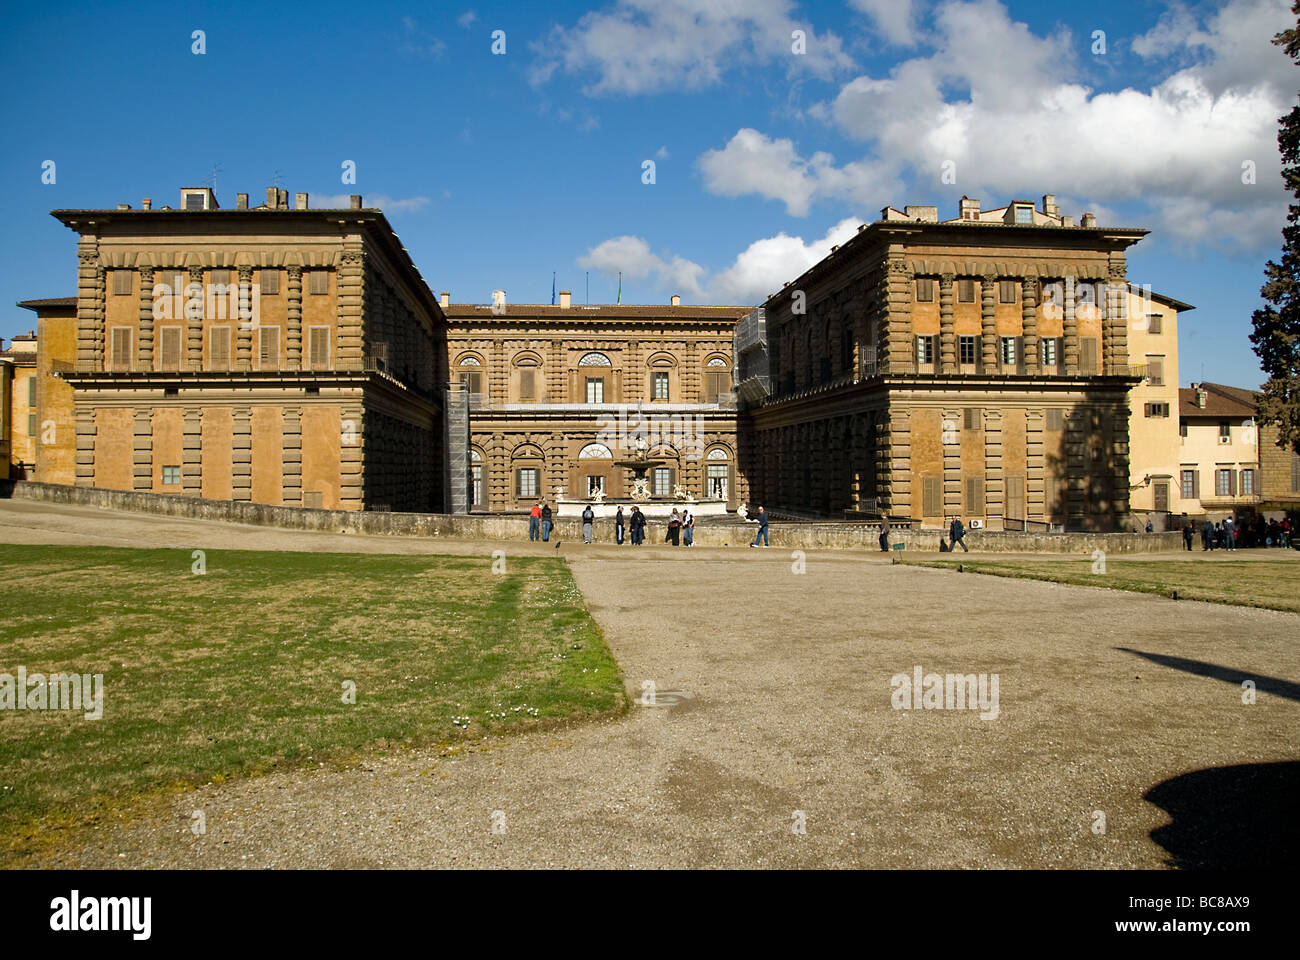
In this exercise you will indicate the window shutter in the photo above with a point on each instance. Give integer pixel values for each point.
(931, 498)
(220, 353)
(973, 418)
(1156, 370)
(526, 384)
(1007, 291)
(31, 391)
(122, 282)
(319, 347)
(924, 290)
(270, 281)
(269, 355)
(1088, 356)
(519, 483)
(169, 347)
(966, 290)
(975, 496)
(1196, 484)
(219, 276)
(1020, 354)
(320, 281)
(1055, 419)
(1232, 483)
(121, 348)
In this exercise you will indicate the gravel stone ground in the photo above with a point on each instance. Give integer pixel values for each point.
(773, 712)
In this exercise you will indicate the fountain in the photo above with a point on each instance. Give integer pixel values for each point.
(640, 464)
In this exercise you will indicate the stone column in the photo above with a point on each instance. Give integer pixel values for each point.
(192, 452)
(293, 331)
(895, 463)
(85, 419)
(1035, 462)
(145, 339)
(988, 324)
(895, 351)
(951, 426)
(351, 308)
(352, 459)
(947, 342)
(142, 450)
(1076, 466)
(994, 484)
(244, 336)
(1071, 330)
(291, 458)
(1029, 323)
(194, 324)
(1116, 321)
(241, 455)
(1119, 461)
(90, 319)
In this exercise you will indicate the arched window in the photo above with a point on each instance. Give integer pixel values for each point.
(471, 373)
(717, 479)
(595, 451)
(717, 380)
(594, 360)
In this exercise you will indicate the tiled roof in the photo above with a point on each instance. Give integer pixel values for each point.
(604, 311)
(49, 302)
(1220, 401)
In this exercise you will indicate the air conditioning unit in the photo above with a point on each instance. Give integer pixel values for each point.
(976, 524)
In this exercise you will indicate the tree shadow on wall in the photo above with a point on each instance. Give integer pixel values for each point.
(1230, 817)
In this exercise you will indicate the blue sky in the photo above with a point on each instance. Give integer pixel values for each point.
(498, 169)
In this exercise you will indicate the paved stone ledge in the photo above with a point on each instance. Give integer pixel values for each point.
(710, 532)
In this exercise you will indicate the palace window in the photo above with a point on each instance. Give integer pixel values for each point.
(171, 475)
(660, 385)
(122, 282)
(1248, 486)
(526, 482)
(595, 390)
(966, 349)
(925, 289)
(320, 282)
(1156, 370)
(219, 348)
(1007, 350)
(925, 349)
(663, 481)
(1188, 482)
(1047, 351)
(1007, 291)
(268, 354)
(270, 280)
(965, 290)
(121, 350)
(1157, 409)
(1153, 322)
(1024, 214)
(1223, 483)
(318, 347)
(169, 348)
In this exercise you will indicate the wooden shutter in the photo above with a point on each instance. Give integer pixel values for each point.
(1015, 506)
(1232, 483)
(1055, 419)
(219, 354)
(975, 496)
(1020, 354)
(1153, 322)
(526, 384)
(219, 276)
(1088, 356)
(169, 347)
(312, 499)
(974, 418)
(519, 483)
(966, 290)
(931, 496)
(1007, 291)
(1161, 490)
(270, 281)
(269, 349)
(121, 359)
(719, 385)
(122, 282)
(320, 281)
(1196, 484)
(924, 289)
(318, 347)
(1156, 370)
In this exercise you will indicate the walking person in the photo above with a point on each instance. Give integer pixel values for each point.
(588, 518)
(688, 527)
(762, 528)
(1187, 535)
(884, 533)
(1229, 533)
(956, 534)
(535, 522)
(547, 522)
(618, 527)
(638, 526)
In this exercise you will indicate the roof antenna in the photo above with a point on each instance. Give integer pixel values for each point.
(275, 180)
(211, 181)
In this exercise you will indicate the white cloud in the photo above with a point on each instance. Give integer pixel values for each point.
(1020, 122)
(662, 153)
(389, 205)
(642, 46)
(757, 271)
(417, 41)
(894, 20)
(753, 163)
(467, 19)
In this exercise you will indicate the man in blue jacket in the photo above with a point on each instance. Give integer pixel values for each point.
(762, 529)
(956, 533)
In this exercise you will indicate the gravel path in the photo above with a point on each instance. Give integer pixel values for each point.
(774, 711)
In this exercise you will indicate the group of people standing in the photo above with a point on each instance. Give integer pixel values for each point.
(1231, 533)
(540, 522)
(680, 528)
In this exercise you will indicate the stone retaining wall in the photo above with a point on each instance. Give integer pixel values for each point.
(709, 532)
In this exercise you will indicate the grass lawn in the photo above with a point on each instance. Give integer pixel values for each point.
(244, 668)
(1267, 582)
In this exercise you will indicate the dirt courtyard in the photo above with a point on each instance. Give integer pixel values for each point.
(779, 735)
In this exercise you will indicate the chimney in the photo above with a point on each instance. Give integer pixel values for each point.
(970, 209)
(566, 298)
(146, 204)
(498, 298)
(124, 206)
(241, 201)
(1067, 221)
(1201, 397)
(676, 301)
(281, 199)
(300, 201)
(354, 201)
(272, 198)
(1089, 221)
(924, 214)
(445, 300)
(1049, 205)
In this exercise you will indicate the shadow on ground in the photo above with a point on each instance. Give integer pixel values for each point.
(1223, 817)
(1273, 685)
